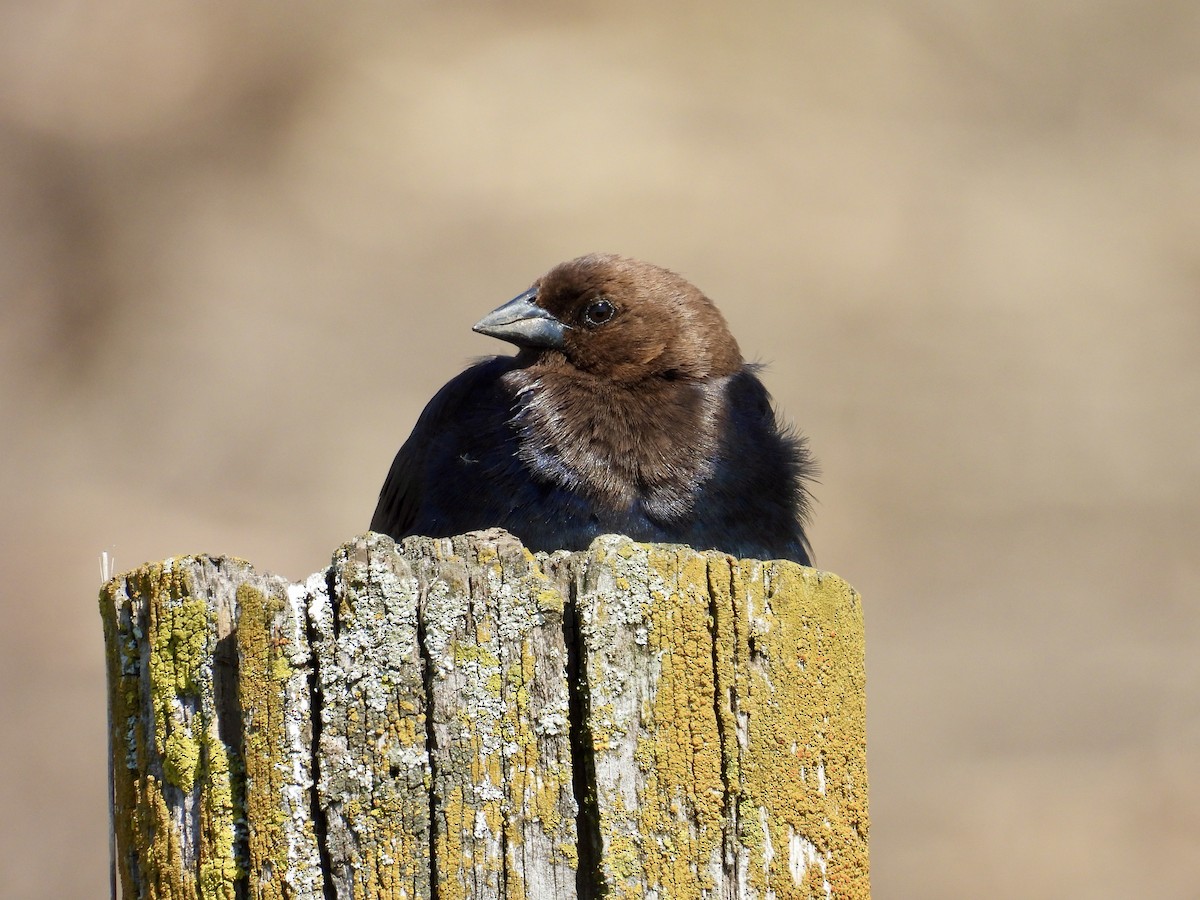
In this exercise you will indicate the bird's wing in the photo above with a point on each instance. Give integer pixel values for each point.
(441, 423)
(399, 498)
(770, 464)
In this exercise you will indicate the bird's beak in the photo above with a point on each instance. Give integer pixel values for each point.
(522, 322)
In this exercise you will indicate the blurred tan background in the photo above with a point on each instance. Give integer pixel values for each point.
(242, 244)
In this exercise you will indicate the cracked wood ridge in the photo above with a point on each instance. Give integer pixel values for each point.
(459, 718)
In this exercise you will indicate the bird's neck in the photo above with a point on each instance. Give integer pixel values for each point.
(652, 441)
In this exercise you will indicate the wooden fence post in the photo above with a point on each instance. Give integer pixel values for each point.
(460, 718)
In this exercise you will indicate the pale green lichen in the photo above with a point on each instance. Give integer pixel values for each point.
(179, 626)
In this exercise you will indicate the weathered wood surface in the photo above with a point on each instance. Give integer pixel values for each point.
(460, 718)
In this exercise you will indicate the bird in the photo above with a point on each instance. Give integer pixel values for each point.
(627, 409)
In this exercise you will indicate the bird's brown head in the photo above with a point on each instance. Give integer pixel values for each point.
(619, 319)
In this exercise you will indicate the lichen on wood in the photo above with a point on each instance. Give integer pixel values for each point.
(727, 710)
(178, 779)
(461, 718)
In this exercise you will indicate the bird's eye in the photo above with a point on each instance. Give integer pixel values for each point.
(598, 312)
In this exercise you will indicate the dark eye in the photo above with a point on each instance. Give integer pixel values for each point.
(598, 312)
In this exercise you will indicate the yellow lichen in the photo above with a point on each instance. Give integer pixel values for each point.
(181, 759)
(751, 672)
(804, 765)
(264, 668)
(179, 632)
(155, 608)
(549, 600)
(218, 868)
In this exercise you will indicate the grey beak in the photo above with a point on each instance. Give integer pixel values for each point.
(522, 322)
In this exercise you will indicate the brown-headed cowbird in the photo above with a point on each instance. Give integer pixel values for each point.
(628, 410)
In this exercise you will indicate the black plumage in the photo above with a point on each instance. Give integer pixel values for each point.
(628, 410)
